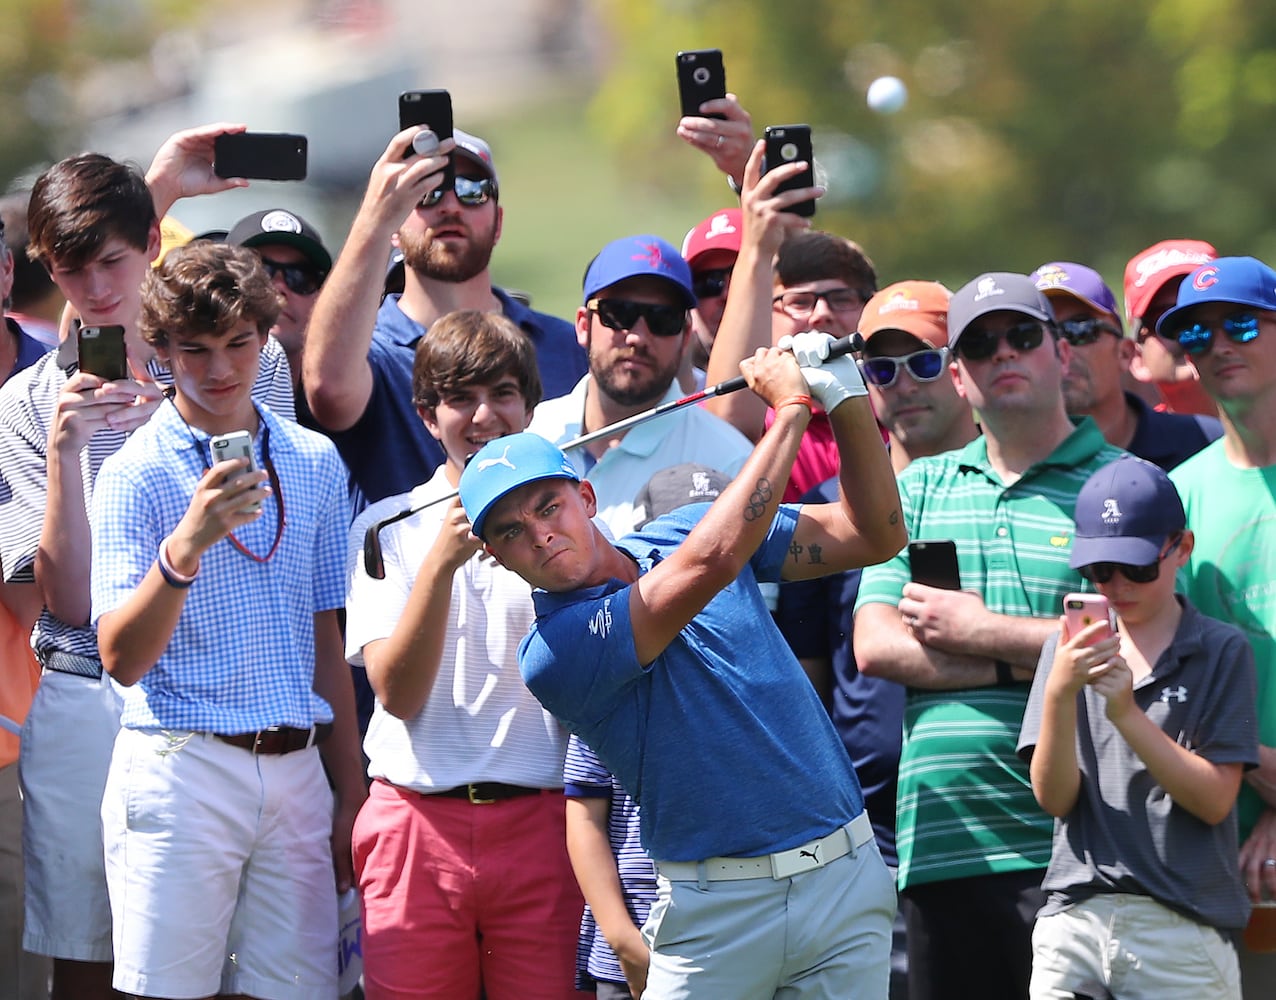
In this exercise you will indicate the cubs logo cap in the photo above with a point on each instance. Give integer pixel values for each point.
(505, 464)
(995, 291)
(1125, 513)
(1063, 277)
(637, 256)
(916, 307)
(1243, 281)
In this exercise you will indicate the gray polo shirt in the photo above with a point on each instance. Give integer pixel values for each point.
(1125, 834)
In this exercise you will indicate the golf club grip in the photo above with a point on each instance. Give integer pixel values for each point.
(851, 344)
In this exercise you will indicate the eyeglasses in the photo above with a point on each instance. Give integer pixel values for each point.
(923, 366)
(1082, 332)
(469, 191)
(980, 344)
(300, 278)
(623, 314)
(712, 283)
(1102, 572)
(1198, 338)
(800, 305)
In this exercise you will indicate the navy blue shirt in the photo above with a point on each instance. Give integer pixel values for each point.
(388, 450)
(815, 617)
(30, 350)
(1168, 439)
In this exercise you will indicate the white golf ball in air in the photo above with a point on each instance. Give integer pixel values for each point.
(887, 94)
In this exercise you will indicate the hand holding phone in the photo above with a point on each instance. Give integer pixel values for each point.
(701, 77)
(236, 444)
(271, 156)
(433, 110)
(792, 144)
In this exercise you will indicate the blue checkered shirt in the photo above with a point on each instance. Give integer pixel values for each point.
(242, 655)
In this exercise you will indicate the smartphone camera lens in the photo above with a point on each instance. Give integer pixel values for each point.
(700, 75)
(789, 151)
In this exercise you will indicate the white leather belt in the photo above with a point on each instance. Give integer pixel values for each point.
(782, 864)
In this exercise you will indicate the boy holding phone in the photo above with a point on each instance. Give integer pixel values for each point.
(1136, 742)
(218, 616)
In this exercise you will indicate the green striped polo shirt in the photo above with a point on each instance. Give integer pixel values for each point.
(965, 805)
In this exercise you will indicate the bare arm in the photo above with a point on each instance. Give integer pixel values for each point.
(340, 752)
(746, 320)
(865, 525)
(1263, 778)
(133, 637)
(726, 141)
(402, 668)
(1055, 773)
(958, 621)
(62, 559)
(884, 647)
(183, 166)
(592, 859)
(336, 374)
(717, 549)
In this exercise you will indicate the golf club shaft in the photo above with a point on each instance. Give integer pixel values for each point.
(372, 558)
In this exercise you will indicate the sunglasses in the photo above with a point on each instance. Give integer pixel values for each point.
(980, 344)
(469, 191)
(1083, 332)
(299, 278)
(1198, 338)
(712, 283)
(923, 366)
(623, 314)
(1102, 572)
(799, 305)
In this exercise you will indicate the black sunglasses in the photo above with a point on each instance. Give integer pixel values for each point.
(1082, 332)
(1197, 339)
(980, 344)
(923, 366)
(1102, 572)
(301, 279)
(624, 314)
(712, 283)
(469, 191)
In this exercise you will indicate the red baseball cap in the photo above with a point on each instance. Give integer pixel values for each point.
(720, 231)
(1149, 270)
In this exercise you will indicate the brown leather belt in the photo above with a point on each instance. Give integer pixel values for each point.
(279, 739)
(482, 793)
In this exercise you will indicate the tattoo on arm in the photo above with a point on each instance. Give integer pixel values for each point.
(814, 553)
(894, 518)
(758, 500)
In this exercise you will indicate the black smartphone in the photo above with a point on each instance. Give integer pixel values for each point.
(101, 352)
(267, 156)
(789, 144)
(432, 108)
(700, 78)
(934, 563)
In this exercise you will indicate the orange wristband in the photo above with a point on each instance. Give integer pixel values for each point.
(802, 400)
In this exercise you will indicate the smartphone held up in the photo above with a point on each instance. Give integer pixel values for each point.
(701, 77)
(1083, 610)
(792, 144)
(236, 444)
(270, 156)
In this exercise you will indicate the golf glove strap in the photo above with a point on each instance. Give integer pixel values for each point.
(832, 380)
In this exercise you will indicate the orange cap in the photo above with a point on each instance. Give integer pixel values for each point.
(916, 307)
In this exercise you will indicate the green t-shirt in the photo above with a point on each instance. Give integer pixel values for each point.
(1231, 574)
(965, 805)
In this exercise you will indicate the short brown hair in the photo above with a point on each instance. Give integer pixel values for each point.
(819, 256)
(80, 203)
(206, 288)
(470, 347)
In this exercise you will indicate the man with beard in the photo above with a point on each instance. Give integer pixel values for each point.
(357, 369)
(634, 325)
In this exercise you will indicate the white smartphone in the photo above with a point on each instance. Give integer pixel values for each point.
(236, 444)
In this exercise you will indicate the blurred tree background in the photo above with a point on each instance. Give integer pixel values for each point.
(1066, 129)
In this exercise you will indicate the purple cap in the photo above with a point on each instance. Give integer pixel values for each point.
(1244, 281)
(994, 292)
(1065, 278)
(1125, 513)
(633, 257)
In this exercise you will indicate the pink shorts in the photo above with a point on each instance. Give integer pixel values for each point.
(459, 898)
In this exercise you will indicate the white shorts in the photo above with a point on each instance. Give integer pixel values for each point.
(66, 748)
(219, 866)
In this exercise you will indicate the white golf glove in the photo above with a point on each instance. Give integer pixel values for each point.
(832, 381)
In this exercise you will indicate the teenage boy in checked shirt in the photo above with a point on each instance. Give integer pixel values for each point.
(218, 615)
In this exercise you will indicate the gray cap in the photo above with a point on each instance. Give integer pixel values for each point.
(993, 292)
(676, 486)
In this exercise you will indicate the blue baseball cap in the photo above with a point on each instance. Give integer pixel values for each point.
(1084, 283)
(505, 464)
(1125, 513)
(635, 256)
(1244, 281)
